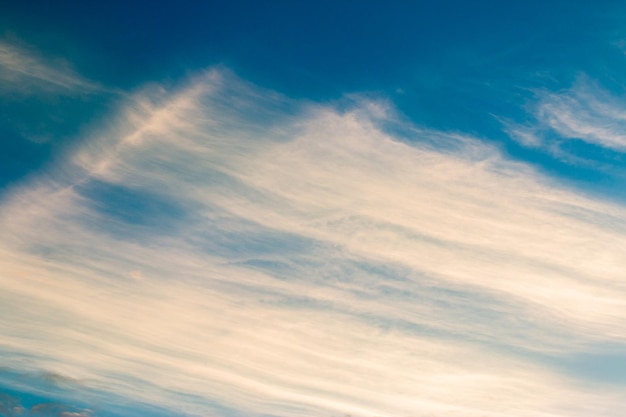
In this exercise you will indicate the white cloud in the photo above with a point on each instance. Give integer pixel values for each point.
(23, 70)
(315, 264)
(579, 114)
(584, 113)
(525, 136)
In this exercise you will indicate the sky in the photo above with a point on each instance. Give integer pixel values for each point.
(312, 209)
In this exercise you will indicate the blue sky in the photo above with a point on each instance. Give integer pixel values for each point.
(312, 209)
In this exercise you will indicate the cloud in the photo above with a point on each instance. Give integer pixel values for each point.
(525, 136)
(224, 246)
(582, 125)
(23, 70)
(588, 113)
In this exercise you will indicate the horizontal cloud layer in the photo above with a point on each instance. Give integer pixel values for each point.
(222, 247)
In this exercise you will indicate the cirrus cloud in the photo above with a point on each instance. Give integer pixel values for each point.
(224, 246)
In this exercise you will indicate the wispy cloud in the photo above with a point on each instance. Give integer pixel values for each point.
(26, 71)
(588, 113)
(585, 113)
(223, 246)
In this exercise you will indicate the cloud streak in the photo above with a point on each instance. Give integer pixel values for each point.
(224, 246)
(582, 125)
(23, 70)
(586, 113)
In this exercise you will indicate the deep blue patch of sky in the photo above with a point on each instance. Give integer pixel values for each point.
(35, 129)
